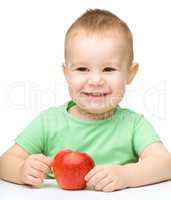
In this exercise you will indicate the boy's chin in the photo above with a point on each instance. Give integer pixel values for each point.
(95, 108)
(98, 110)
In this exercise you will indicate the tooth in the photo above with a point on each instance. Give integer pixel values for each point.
(96, 94)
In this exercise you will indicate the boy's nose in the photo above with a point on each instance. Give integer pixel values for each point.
(96, 79)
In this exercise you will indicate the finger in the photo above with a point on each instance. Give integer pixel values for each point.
(42, 158)
(110, 187)
(96, 179)
(35, 173)
(93, 172)
(103, 183)
(40, 166)
(31, 180)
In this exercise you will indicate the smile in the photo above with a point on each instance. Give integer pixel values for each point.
(95, 94)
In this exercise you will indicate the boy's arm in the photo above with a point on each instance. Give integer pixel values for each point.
(11, 162)
(154, 166)
(17, 166)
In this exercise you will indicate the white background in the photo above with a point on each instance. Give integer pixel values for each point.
(31, 52)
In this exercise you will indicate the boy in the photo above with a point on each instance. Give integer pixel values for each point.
(125, 147)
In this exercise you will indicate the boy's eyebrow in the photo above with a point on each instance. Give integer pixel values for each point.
(87, 64)
(112, 63)
(78, 63)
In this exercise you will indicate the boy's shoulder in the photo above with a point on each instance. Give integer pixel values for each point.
(127, 113)
(53, 110)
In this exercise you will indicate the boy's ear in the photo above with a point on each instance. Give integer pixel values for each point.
(132, 70)
(65, 71)
(64, 68)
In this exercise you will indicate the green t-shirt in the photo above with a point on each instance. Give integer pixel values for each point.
(116, 140)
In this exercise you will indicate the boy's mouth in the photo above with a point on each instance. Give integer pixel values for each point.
(95, 94)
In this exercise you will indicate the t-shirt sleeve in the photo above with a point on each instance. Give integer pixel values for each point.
(31, 139)
(144, 135)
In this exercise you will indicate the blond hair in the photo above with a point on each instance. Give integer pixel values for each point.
(100, 21)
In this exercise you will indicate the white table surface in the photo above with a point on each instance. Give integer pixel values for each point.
(50, 191)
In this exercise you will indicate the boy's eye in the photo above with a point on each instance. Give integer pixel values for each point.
(84, 69)
(108, 69)
(81, 69)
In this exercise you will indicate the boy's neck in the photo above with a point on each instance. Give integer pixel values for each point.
(83, 114)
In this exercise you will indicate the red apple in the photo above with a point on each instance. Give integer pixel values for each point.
(70, 168)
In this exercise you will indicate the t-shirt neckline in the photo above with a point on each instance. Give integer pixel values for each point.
(71, 103)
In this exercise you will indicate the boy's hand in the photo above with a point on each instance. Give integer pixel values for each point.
(107, 178)
(34, 169)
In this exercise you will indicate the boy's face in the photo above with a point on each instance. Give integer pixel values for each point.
(97, 71)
